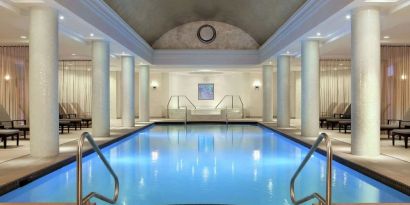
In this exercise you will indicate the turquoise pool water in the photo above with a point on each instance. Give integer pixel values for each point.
(205, 163)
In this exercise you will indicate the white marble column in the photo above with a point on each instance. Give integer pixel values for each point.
(101, 88)
(366, 82)
(144, 93)
(43, 82)
(128, 88)
(310, 88)
(283, 91)
(267, 86)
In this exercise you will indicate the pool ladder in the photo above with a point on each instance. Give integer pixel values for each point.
(329, 158)
(86, 199)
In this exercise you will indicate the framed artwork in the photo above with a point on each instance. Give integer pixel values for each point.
(205, 91)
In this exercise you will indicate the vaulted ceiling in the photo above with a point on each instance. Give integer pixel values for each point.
(153, 18)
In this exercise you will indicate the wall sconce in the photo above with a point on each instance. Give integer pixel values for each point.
(154, 84)
(7, 77)
(257, 84)
(403, 77)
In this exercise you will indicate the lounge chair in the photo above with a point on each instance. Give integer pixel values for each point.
(8, 123)
(324, 116)
(85, 117)
(339, 117)
(405, 133)
(5, 133)
(71, 117)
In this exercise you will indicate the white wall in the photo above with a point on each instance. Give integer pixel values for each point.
(186, 83)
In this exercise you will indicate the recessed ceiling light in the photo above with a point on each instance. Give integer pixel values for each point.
(386, 37)
(91, 34)
(61, 17)
(23, 37)
(318, 34)
(348, 16)
(73, 54)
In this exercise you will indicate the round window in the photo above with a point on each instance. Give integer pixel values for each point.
(206, 33)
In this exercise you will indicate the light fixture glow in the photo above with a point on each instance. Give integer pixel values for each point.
(403, 77)
(73, 54)
(287, 52)
(386, 37)
(154, 84)
(257, 84)
(348, 16)
(61, 17)
(256, 155)
(270, 62)
(318, 34)
(7, 77)
(23, 37)
(91, 34)
(154, 155)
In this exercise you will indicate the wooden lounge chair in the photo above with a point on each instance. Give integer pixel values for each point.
(8, 123)
(85, 117)
(324, 116)
(71, 117)
(339, 117)
(405, 133)
(5, 133)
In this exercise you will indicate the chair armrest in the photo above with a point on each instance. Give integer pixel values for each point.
(24, 121)
(407, 122)
(72, 115)
(7, 121)
(393, 120)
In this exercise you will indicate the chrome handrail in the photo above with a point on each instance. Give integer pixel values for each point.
(221, 101)
(86, 199)
(329, 156)
(178, 96)
(240, 99)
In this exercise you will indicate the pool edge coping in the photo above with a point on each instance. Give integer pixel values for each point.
(386, 180)
(22, 181)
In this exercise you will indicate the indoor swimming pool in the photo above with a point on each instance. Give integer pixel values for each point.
(205, 164)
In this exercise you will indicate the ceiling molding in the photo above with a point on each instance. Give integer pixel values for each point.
(311, 14)
(206, 57)
(101, 16)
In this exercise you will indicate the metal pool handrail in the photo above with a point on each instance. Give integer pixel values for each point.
(85, 200)
(329, 157)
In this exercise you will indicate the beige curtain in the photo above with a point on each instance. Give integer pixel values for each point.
(14, 63)
(75, 86)
(395, 82)
(334, 85)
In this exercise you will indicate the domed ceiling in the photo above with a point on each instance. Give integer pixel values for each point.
(152, 18)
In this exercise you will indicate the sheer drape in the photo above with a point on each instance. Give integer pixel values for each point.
(395, 82)
(14, 62)
(334, 85)
(75, 86)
